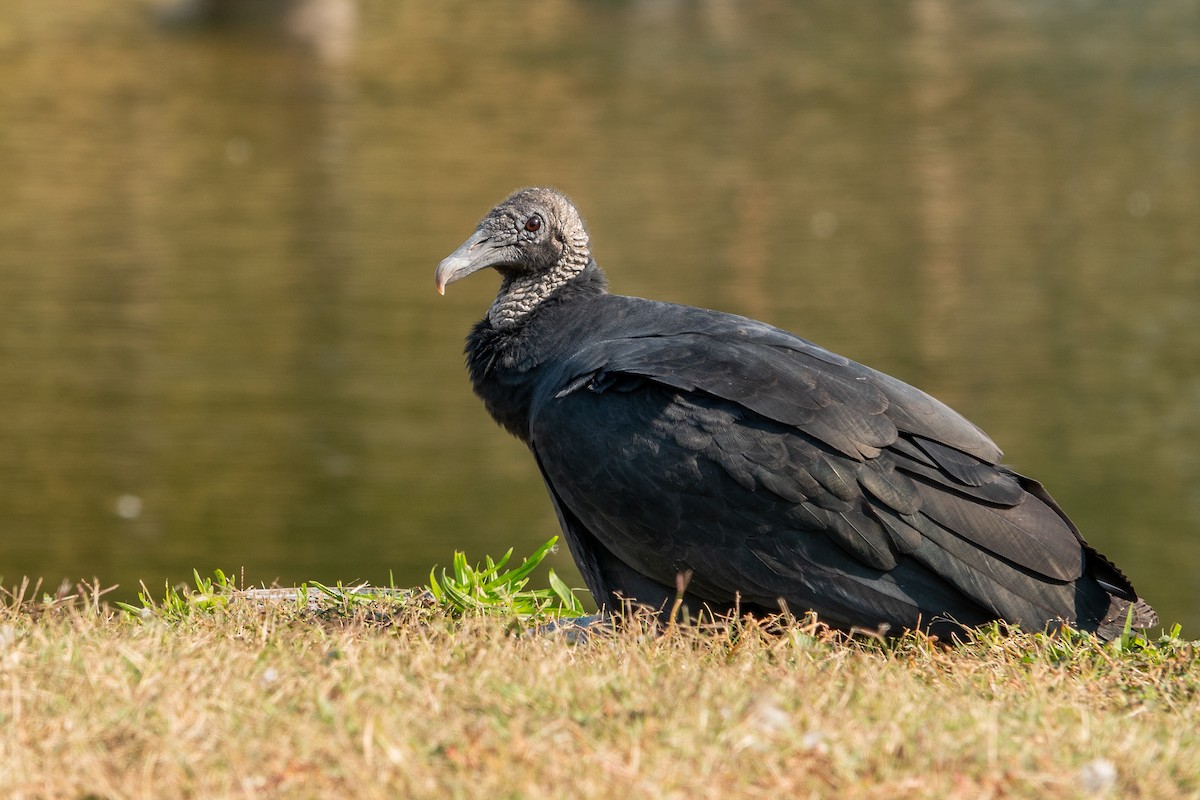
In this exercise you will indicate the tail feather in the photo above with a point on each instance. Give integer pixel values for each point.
(1119, 612)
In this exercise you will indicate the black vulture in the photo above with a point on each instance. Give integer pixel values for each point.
(694, 449)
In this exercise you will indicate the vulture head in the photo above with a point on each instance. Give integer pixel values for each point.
(535, 239)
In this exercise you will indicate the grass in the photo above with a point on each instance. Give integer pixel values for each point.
(215, 692)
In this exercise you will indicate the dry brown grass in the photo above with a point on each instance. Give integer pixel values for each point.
(247, 700)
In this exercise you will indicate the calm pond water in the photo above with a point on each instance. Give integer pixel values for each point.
(220, 344)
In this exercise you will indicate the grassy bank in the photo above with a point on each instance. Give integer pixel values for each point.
(225, 695)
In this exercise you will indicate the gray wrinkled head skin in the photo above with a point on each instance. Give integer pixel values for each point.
(535, 239)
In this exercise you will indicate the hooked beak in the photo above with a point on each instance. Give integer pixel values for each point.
(472, 255)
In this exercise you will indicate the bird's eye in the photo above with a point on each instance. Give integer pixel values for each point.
(533, 224)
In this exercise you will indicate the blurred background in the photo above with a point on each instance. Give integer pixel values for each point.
(220, 345)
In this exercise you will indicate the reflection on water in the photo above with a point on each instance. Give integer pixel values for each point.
(221, 345)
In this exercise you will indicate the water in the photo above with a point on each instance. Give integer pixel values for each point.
(221, 347)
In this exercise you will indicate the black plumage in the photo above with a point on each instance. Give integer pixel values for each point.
(680, 441)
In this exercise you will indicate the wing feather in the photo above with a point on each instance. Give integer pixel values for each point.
(760, 462)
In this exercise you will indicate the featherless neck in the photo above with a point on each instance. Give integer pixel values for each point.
(522, 293)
